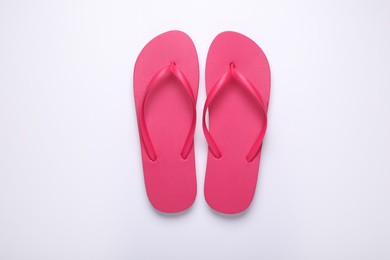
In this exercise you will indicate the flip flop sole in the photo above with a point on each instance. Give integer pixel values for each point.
(170, 180)
(235, 121)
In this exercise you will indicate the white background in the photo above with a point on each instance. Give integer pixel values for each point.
(71, 184)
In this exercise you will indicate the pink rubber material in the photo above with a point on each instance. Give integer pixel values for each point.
(166, 78)
(238, 89)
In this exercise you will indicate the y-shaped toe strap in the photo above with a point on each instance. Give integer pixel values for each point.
(162, 74)
(233, 73)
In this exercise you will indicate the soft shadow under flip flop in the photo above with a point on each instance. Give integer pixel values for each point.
(166, 77)
(238, 90)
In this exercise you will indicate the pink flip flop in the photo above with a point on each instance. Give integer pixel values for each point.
(238, 90)
(166, 77)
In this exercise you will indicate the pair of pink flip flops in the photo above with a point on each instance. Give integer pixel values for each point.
(166, 78)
